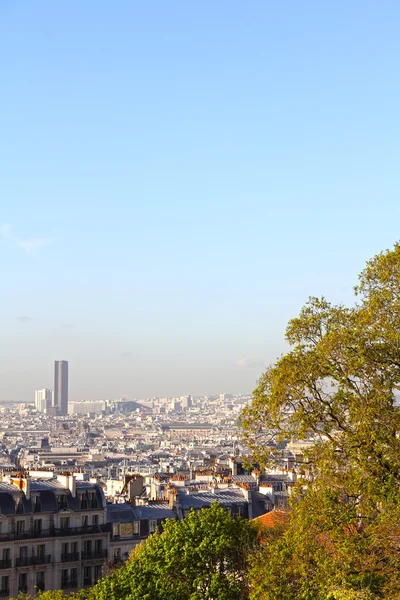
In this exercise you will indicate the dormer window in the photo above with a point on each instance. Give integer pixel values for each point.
(19, 507)
(152, 525)
(83, 501)
(36, 505)
(61, 501)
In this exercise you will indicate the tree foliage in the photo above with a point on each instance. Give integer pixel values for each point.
(204, 556)
(337, 386)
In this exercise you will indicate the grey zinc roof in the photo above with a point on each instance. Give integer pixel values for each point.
(243, 479)
(226, 498)
(86, 485)
(120, 513)
(125, 513)
(46, 484)
(155, 511)
(274, 477)
(8, 488)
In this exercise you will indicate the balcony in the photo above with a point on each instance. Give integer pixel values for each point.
(70, 557)
(44, 559)
(93, 554)
(27, 561)
(53, 532)
(5, 564)
(5, 593)
(69, 585)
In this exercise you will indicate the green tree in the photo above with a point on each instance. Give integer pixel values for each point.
(202, 557)
(337, 386)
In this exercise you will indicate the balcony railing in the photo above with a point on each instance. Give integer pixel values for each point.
(5, 593)
(54, 532)
(5, 564)
(26, 561)
(70, 557)
(69, 585)
(93, 554)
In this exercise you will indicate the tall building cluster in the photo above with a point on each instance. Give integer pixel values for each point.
(55, 402)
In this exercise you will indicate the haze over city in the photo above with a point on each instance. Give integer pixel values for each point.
(177, 179)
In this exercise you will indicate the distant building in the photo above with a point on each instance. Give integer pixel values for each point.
(186, 401)
(61, 386)
(43, 400)
(87, 406)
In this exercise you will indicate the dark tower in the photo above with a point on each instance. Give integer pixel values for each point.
(61, 386)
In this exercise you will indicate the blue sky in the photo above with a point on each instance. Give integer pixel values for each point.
(176, 178)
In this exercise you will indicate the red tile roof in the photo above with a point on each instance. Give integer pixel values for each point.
(273, 518)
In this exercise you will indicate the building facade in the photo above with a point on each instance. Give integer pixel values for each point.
(61, 387)
(53, 534)
(85, 407)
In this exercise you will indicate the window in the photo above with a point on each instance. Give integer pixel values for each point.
(23, 582)
(240, 511)
(74, 577)
(40, 550)
(40, 581)
(23, 552)
(19, 507)
(37, 526)
(5, 585)
(36, 505)
(20, 526)
(64, 522)
(83, 501)
(117, 553)
(95, 520)
(87, 576)
(6, 553)
(85, 521)
(152, 525)
(64, 549)
(64, 577)
(136, 528)
(116, 529)
(126, 529)
(87, 546)
(97, 573)
(74, 547)
(61, 501)
(98, 546)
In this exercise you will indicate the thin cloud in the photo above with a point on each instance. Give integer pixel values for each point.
(25, 319)
(248, 363)
(126, 354)
(30, 245)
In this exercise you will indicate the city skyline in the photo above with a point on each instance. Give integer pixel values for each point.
(176, 181)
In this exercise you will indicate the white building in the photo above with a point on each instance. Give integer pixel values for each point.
(43, 400)
(86, 406)
(54, 534)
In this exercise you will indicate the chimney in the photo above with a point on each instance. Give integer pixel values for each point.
(248, 497)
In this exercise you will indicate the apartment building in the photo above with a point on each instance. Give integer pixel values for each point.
(53, 534)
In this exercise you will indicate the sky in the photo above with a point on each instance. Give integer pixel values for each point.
(177, 178)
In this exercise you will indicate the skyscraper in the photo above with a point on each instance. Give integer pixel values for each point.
(61, 386)
(43, 400)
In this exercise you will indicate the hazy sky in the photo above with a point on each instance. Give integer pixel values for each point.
(176, 178)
